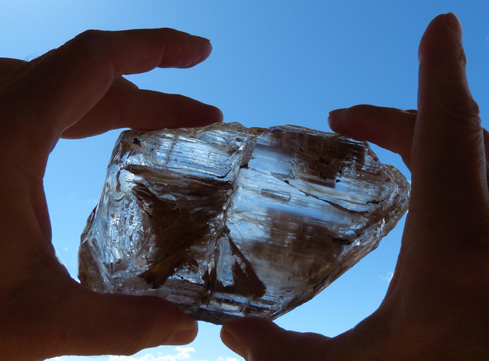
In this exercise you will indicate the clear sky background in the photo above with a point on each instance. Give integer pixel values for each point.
(274, 62)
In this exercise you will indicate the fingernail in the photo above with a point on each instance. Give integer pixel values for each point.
(335, 115)
(204, 39)
(215, 115)
(230, 341)
(453, 23)
(336, 112)
(183, 337)
(204, 42)
(203, 49)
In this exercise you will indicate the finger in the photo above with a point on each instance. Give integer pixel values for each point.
(67, 82)
(99, 324)
(125, 106)
(486, 147)
(448, 161)
(261, 340)
(389, 128)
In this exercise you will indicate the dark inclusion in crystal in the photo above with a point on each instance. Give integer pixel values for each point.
(226, 221)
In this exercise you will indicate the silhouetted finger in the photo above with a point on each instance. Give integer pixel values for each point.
(125, 106)
(389, 128)
(67, 82)
(448, 161)
(257, 339)
(99, 324)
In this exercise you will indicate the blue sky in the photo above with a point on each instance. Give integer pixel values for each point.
(287, 62)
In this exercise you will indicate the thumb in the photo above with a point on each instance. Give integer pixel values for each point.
(258, 339)
(448, 142)
(98, 324)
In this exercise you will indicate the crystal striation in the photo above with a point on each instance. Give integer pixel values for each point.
(226, 221)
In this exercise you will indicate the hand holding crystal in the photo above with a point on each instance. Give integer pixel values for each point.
(77, 91)
(436, 305)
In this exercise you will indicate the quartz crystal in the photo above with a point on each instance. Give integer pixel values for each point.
(226, 221)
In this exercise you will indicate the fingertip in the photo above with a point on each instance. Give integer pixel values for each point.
(261, 339)
(443, 86)
(201, 48)
(230, 341)
(351, 121)
(206, 44)
(197, 114)
(245, 335)
(123, 324)
(389, 128)
(204, 49)
(449, 19)
(185, 335)
(177, 49)
(214, 115)
(443, 33)
(453, 23)
(335, 117)
(166, 321)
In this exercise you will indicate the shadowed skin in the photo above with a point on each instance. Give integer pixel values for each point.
(436, 304)
(75, 91)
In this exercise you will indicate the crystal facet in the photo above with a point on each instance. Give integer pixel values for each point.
(226, 221)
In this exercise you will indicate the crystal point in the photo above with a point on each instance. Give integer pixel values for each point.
(226, 221)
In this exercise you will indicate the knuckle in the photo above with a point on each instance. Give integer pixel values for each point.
(465, 111)
(129, 346)
(362, 108)
(473, 108)
(36, 63)
(140, 339)
(92, 41)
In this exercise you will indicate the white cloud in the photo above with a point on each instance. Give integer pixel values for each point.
(387, 278)
(180, 356)
(148, 357)
(180, 353)
(185, 349)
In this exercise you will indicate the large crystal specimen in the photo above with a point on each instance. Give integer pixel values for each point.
(226, 221)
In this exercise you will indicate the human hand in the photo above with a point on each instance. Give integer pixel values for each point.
(436, 307)
(76, 91)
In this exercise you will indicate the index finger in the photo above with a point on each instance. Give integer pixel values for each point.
(67, 82)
